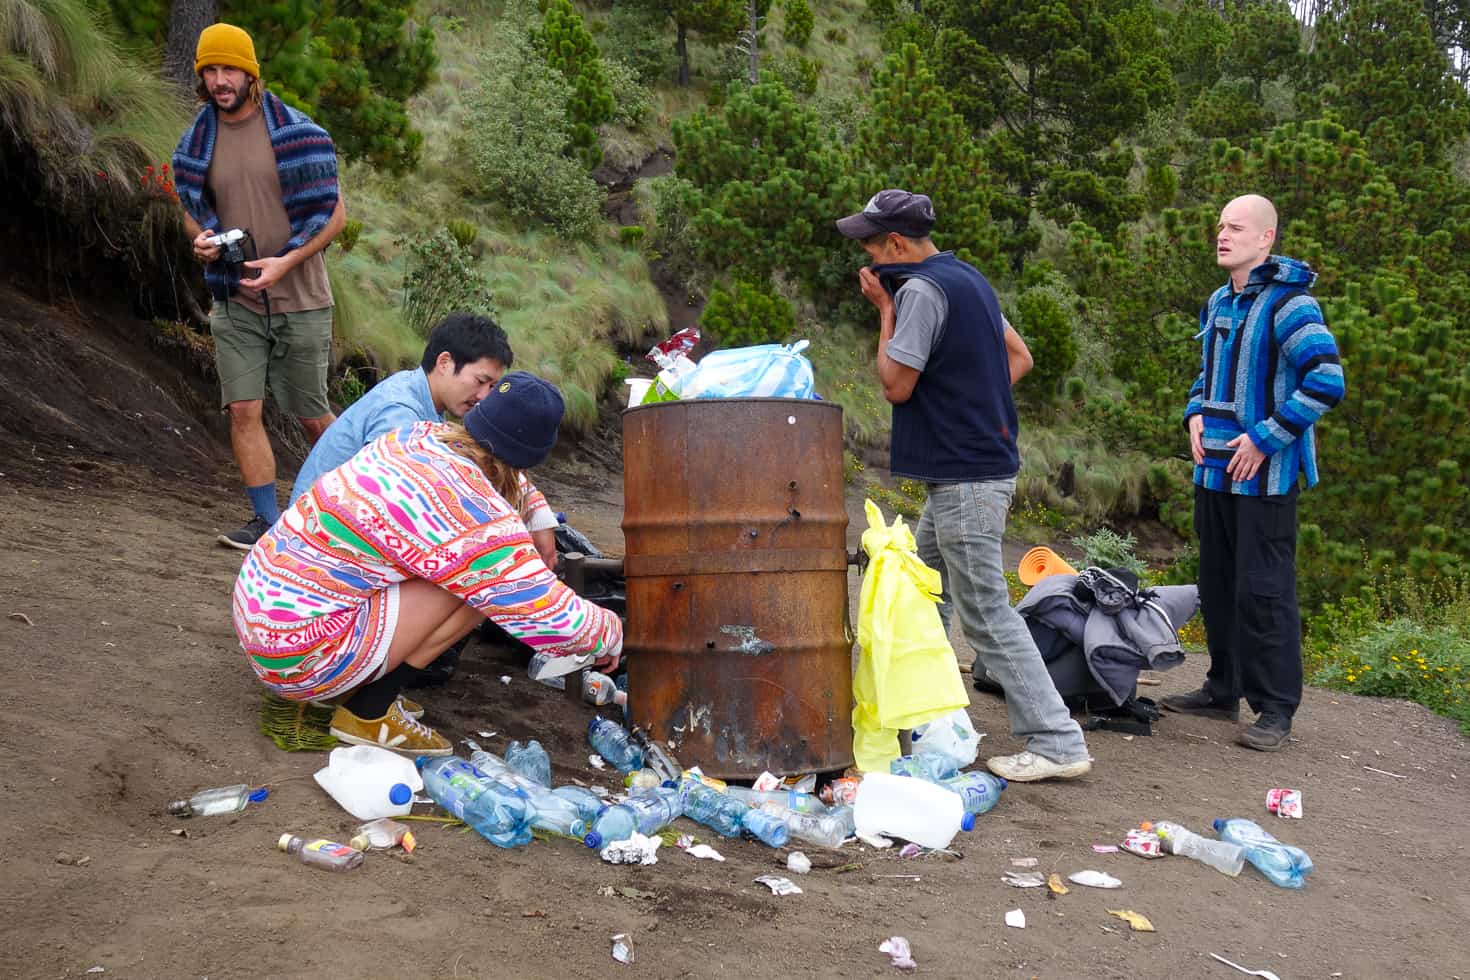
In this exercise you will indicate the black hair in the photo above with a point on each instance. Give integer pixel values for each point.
(467, 337)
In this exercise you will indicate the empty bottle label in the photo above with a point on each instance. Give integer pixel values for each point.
(329, 847)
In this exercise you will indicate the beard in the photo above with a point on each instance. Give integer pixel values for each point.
(229, 99)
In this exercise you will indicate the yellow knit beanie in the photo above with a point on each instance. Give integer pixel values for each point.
(226, 44)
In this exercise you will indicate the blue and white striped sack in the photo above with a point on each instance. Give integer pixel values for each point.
(763, 371)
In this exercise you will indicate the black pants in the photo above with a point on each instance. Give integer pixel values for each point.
(1247, 591)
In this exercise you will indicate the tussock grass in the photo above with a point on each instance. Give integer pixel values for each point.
(1107, 483)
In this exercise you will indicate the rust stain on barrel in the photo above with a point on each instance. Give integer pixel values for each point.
(735, 527)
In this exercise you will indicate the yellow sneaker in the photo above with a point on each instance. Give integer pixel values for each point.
(395, 731)
(411, 708)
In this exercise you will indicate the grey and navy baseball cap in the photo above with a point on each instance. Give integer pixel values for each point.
(910, 215)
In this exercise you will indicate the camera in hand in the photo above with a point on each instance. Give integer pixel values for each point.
(232, 252)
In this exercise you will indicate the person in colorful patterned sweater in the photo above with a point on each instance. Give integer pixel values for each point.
(395, 555)
(253, 163)
(1269, 371)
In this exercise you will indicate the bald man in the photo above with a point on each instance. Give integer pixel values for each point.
(1269, 371)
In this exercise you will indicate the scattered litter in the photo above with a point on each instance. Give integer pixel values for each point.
(1024, 879)
(910, 850)
(806, 784)
(1253, 973)
(533, 914)
(1105, 848)
(1016, 919)
(1284, 802)
(905, 877)
(1094, 879)
(1202, 738)
(798, 862)
(635, 850)
(1385, 772)
(1054, 882)
(705, 852)
(596, 762)
(487, 734)
(898, 949)
(23, 618)
(1023, 862)
(607, 891)
(96, 969)
(875, 840)
(423, 798)
(622, 948)
(601, 791)
(779, 886)
(62, 857)
(1136, 922)
(1144, 843)
(180, 832)
(766, 783)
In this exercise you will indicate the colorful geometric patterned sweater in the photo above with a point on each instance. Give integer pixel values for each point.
(1270, 369)
(406, 506)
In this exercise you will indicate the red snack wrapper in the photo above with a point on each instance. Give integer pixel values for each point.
(680, 343)
(1144, 843)
(1284, 802)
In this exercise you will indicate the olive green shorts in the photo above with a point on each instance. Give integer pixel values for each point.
(292, 357)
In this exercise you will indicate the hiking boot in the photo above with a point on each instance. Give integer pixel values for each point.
(1268, 734)
(1200, 703)
(245, 537)
(395, 731)
(1028, 767)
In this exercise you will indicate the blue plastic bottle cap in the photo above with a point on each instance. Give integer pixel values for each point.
(1003, 783)
(968, 822)
(593, 840)
(399, 794)
(256, 795)
(1219, 825)
(670, 784)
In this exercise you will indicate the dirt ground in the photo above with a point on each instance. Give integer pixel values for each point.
(127, 689)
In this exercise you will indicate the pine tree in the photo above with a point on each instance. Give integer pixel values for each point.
(799, 23)
(716, 21)
(570, 49)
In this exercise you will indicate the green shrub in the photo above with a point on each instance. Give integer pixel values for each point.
(463, 232)
(797, 72)
(745, 313)
(799, 23)
(632, 101)
(1106, 548)
(903, 501)
(1045, 315)
(631, 235)
(639, 35)
(852, 467)
(440, 278)
(347, 238)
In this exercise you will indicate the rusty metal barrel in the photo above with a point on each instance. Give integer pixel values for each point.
(738, 639)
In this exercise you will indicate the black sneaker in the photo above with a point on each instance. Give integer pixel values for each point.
(1200, 703)
(245, 538)
(1268, 734)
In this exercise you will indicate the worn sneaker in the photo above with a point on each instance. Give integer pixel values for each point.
(1200, 703)
(1028, 767)
(395, 731)
(245, 537)
(1268, 734)
(411, 708)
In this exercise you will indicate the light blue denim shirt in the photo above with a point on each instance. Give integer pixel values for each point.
(393, 403)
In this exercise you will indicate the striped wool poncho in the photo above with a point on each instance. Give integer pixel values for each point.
(316, 600)
(305, 158)
(1270, 369)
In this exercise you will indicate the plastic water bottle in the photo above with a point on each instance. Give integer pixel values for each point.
(1223, 856)
(533, 670)
(551, 812)
(1285, 865)
(642, 779)
(211, 802)
(766, 828)
(913, 809)
(647, 814)
(588, 803)
(788, 798)
(325, 854)
(980, 791)
(933, 766)
(557, 814)
(710, 807)
(600, 689)
(531, 761)
(611, 741)
(656, 757)
(496, 810)
(825, 830)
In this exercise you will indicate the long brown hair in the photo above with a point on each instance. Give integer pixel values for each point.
(252, 91)
(506, 479)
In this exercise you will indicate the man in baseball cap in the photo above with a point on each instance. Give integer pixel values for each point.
(947, 359)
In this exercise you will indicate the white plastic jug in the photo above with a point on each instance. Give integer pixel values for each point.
(369, 782)
(914, 809)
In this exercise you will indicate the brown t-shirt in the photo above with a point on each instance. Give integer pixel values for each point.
(247, 194)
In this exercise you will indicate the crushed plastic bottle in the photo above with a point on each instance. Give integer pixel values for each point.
(530, 760)
(766, 828)
(642, 779)
(980, 791)
(588, 803)
(1283, 864)
(1223, 856)
(656, 757)
(537, 665)
(789, 798)
(611, 741)
(212, 802)
(647, 814)
(498, 811)
(826, 830)
(382, 834)
(325, 854)
(932, 766)
(710, 807)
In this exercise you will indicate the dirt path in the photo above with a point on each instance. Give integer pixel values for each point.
(130, 690)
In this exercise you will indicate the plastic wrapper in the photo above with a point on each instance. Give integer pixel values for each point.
(1285, 802)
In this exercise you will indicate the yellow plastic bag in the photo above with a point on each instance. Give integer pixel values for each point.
(907, 673)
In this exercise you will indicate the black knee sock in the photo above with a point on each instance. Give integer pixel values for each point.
(373, 699)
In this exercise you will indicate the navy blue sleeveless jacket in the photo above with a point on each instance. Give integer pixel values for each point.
(960, 425)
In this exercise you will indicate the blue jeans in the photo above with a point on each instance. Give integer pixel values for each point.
(959, 536)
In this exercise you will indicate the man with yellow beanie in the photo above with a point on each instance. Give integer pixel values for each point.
(253, 163)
